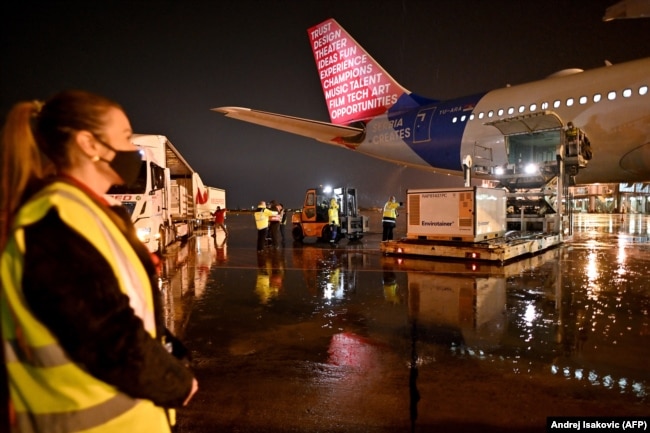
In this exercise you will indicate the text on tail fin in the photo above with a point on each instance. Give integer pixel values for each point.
(356, 87)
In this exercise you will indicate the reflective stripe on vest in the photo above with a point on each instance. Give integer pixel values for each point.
(48, 391)
(81, 420)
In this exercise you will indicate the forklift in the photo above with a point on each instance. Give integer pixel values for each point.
(313, 222)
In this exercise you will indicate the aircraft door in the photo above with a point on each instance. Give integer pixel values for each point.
(531, 139)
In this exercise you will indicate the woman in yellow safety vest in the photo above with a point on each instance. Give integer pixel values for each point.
(85, 346)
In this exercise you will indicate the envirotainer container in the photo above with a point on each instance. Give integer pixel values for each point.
(467, 214)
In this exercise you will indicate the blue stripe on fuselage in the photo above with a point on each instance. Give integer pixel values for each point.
(436, 138)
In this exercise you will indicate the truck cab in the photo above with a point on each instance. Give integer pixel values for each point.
(160, 200)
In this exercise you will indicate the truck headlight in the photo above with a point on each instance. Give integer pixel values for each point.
(144, 234)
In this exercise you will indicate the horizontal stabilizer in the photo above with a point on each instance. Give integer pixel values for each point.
(321, 131)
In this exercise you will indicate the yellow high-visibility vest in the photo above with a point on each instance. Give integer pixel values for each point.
(48, 391)
(390, 210)
(262, 218)
(333, 212)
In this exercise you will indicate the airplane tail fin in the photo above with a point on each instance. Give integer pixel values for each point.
(356, 87)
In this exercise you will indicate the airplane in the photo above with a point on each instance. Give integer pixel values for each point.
(495, 136)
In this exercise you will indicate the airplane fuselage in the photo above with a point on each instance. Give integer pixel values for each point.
(610, 104)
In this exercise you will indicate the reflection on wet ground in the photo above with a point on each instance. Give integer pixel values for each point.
(315, 338)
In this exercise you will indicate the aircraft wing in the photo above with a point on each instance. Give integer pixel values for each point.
(628, 9)
(321, 131)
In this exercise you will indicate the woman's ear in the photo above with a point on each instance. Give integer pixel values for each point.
(86, 143)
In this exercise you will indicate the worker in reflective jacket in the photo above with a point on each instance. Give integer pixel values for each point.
(389, 218)
(85, 346)
(333, 217)
(262, 215)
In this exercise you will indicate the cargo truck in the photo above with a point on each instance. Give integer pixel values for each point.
(207, 199)
(161, 201)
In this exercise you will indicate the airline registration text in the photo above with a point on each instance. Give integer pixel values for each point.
(450, 110)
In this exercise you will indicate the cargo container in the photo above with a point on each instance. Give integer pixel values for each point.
(468, 214)
(467, 223)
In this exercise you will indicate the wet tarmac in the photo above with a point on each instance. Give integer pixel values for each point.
(314, 338)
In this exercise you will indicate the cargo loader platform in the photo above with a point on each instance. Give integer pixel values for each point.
(501, 249)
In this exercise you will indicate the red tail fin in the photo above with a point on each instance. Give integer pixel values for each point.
(356, 87)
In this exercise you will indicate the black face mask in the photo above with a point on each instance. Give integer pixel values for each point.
(126, 163)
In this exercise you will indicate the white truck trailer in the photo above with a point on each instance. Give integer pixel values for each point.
(161, 201)
(207, 199)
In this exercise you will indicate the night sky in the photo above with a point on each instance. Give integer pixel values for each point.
(169, 62)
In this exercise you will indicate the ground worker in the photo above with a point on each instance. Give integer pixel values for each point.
(85, 345)
(389, 218)
(572, 140)
(262, 215)
(219, 221)
(333, 218)
(274, 224)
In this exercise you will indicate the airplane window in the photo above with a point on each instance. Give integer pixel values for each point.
(627, 93)
(597, 97)
(511, 110)
(481, 115)
(643, 90)
(569, 102)
(544, 105)
(454, 120)
(490, 113)
(533, 107)
(556, 104)
(583, 100)
(500, 113)
(471, 116)
(522, 109)
(462, 119)
(611, 95)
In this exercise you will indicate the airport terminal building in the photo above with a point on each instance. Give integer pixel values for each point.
(612, 198)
